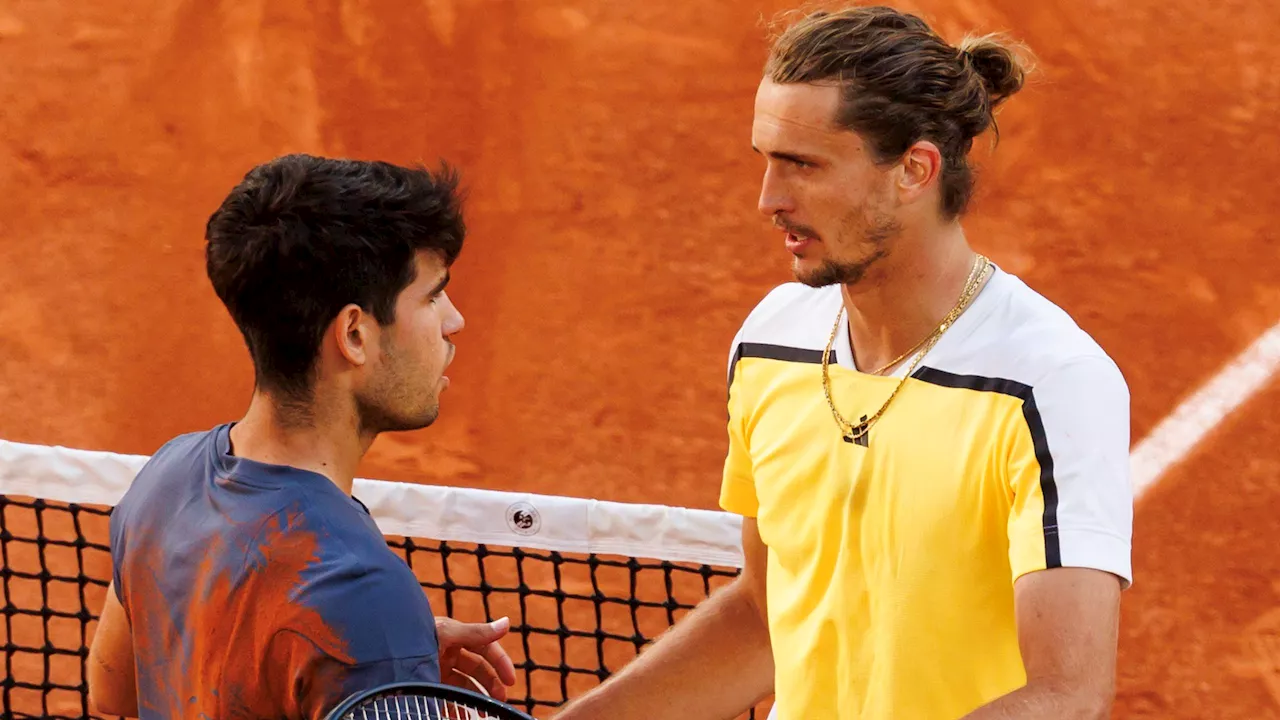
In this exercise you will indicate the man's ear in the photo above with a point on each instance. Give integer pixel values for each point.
(921, 167)
(352, 335)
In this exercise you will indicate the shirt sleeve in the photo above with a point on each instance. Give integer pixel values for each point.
(350, 629)
(118, 542)
(1069, 475)
(737, 486)
(315, 681)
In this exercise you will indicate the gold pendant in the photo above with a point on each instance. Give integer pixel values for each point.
(859, 434)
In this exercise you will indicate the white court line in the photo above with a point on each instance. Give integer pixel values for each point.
(1179, 433)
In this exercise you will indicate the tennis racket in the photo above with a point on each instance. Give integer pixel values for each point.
(422, 701)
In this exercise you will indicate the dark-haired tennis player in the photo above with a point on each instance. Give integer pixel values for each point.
(247, 581)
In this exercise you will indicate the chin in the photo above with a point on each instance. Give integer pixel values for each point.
(425, 418)
(387, 420)
(828, 272)
(816, 275)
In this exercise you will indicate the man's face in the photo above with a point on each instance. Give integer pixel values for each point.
(408, 377)
(821, 186)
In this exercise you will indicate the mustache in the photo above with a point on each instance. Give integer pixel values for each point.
(795, 229)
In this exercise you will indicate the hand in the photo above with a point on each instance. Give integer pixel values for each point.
(472, 649)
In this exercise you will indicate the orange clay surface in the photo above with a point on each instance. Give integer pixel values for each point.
(615, 246)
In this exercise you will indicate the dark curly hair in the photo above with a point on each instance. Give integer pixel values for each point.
(300, 237)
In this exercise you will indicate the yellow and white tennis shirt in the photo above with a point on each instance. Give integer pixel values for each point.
(891, 565)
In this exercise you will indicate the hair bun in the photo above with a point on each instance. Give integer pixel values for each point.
(1001, 64)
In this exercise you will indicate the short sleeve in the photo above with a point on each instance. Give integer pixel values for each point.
(737, 486)
(1069, 475)
(352, 627)
(314, 681)
(118, 542)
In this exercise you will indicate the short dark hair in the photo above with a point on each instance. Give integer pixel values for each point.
(300, 237)
(901, 83)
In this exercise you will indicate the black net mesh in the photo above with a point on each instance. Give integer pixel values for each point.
(575, 618)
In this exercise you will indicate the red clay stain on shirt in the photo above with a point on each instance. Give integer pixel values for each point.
(246, 648)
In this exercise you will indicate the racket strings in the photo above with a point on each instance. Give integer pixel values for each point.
(413, 707)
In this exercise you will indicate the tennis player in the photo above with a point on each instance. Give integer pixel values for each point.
(930, 458)
(247, 581)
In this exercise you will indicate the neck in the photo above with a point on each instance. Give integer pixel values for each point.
(905, 296)
(327, 441)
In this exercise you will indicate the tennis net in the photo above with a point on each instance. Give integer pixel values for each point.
(586, 583)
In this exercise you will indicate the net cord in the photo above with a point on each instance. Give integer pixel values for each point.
(543, 522)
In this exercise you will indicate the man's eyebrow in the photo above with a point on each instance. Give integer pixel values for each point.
(790, 157)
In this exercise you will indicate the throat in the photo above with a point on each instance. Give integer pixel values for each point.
(884, 333)
(883, 361)
(884, 350)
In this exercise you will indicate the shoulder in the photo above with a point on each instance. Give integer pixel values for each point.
(1022, 338)
(333, 536)
(183, 450)
(792, 314)
(349, 592)
(791, 317)
(180, 460)
(1048, 337)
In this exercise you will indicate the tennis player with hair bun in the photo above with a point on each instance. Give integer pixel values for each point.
(247, 581)
(930, 458)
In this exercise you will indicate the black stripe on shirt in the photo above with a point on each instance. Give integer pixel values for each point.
(1040, 441)
(784, 353)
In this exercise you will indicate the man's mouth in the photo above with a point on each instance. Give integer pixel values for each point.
(796, 242)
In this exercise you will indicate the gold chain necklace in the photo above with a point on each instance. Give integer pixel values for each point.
(852, 433)
(894, 362)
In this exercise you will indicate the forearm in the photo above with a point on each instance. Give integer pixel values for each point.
(111, 689)
(112, 683)
(1045, 701)
(715, 663)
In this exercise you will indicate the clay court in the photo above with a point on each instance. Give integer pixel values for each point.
(614, 245)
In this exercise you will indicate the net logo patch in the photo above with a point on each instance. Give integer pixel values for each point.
(523, 519)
